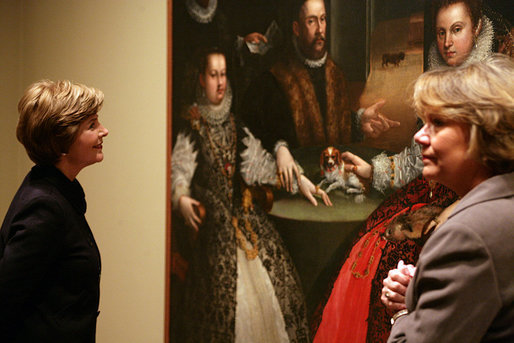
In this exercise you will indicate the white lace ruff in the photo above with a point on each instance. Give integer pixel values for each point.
(215, 114)
(308, 62)
(482, 50)
(200, 14)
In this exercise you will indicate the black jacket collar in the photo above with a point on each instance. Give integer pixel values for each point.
(71, 190)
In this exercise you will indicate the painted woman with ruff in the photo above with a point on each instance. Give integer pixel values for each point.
(240, 284)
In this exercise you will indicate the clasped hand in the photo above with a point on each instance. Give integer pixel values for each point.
(395, 286)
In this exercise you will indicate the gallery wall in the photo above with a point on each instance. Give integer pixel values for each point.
(9, 90)
(118, 46)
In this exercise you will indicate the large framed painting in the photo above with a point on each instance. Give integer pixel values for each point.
(375, 49)
(378, 46)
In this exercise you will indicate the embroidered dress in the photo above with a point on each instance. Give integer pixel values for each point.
(351, 310)
(241, 285)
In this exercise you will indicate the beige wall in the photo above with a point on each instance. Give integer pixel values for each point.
(118, 46)
(9, 90)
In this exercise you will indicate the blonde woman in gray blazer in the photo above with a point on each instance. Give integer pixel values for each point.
(462, 289)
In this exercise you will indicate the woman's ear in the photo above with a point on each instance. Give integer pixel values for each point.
(202, 80)
(478, 28)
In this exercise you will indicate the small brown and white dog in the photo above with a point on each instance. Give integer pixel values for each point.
(334, 175)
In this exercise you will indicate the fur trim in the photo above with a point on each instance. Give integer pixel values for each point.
(483, 49)
(296, 84)
(339, 115)
(183, 166)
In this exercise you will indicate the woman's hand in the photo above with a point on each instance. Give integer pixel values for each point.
(287, 168)
(308, 190)
(357, 165)
(187, 209)
(395, 286)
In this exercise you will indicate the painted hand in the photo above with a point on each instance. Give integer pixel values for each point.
(187, 209)
(255, 37)
(309, 190)
(374, 123)
(287, 168)
(357, 165)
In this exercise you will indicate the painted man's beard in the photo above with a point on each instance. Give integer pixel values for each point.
(312, 50)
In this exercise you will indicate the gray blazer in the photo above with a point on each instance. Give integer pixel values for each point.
(463, 289)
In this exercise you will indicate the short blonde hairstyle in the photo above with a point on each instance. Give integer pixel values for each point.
(50, 115)
(480, 94)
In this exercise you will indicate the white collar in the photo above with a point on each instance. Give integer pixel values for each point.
(200, 14)
(308, 62)
(214, 114)
(483, 48)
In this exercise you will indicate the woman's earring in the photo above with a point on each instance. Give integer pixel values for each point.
(431, 186)
(477, 32)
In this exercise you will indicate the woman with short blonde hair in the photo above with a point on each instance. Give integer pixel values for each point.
(481, 96)
(461, 289)
(49, 261)
(50, 115)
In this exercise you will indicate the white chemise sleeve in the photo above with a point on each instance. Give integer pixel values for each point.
(258, 166)
(183, 166)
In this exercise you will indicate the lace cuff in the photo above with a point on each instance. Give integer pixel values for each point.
(381, 172)
(408, 165)
(258, 166)
(397, 170)
(279, 144)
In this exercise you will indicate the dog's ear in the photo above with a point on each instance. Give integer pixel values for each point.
(338, 156)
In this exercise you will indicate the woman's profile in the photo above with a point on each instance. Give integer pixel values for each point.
(461, 287)
(49, 261)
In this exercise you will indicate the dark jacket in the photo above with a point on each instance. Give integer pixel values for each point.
(300, 105)
(49, 263)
